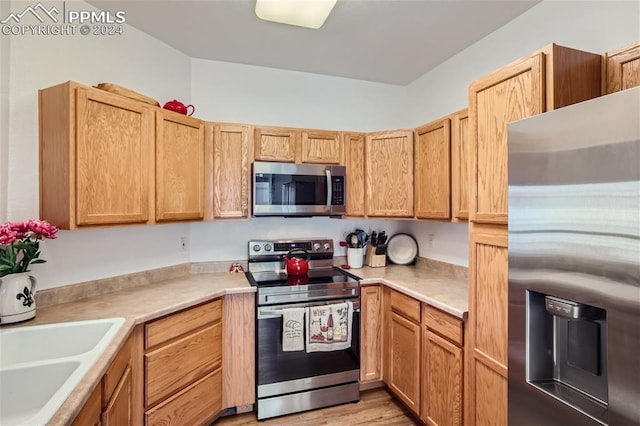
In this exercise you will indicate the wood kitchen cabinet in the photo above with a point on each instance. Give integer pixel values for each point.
(276, 144)
(96, 157)
(321, 147)
(371, 320)
(526, 87)
(110, 160)
(488, 305)
(354, 162)
(228, 172)
(622, 69)
(112, 401)
(402, 364)
(460, 166)
(389, 174)
(179, 167)
(291, 145)
(442, 368)
(551, 78)
(432, 147)
(183, 366)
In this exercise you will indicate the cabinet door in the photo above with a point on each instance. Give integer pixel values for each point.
(371, 334)
(230, 171)
(389, 166)
(321, 147)
(114, 153)
(623, 68)
(404, 361)
(91, 412)
(354, 153)
(118, 409)
(275, 144)
(512, 93)
(432, 170)
(460, 166)
(488, 306)
(441, 381)
(179, 167)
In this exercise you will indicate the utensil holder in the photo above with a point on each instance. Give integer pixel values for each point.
(355, 257)
(375, 260)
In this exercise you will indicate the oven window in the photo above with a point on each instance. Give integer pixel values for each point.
(274, 365)
(290, 190)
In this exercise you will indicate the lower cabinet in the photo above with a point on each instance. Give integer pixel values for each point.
(424, 359)
(183, 366)
(370, 335)
(111, 402)
(442, 368)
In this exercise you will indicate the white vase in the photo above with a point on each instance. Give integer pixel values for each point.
(17, 302)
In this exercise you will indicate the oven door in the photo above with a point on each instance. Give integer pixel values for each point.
(281, 372)
(297, 189)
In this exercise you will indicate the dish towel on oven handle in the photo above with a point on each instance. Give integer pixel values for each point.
(329, 327)
(293, 329)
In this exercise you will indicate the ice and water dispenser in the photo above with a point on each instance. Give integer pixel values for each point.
(567, 352)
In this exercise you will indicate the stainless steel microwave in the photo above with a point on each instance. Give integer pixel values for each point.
(286, 189)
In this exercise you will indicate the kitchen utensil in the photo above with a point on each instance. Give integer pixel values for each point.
(374, 238)
(295, 264)
(352, 240)
(402, 249)
(382, 237)
(179, 107)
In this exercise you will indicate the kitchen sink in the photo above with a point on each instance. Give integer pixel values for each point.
(41, 365)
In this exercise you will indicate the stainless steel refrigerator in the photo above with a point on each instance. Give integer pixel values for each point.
(574, 264)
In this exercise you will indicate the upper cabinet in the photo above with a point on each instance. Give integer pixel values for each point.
(228, 147)
(432, 145)
(354, 161)
(96, 157)
(526, 87)
(275, 144)
(179, 167)
(389, 174)
(321, 147)
(460, 166)
(622, 69)
(107, 160)
(297, 145)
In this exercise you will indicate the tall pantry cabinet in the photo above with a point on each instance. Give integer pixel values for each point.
(545, 80)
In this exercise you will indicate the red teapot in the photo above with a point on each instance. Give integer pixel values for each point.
(179, 107)
(295, 264)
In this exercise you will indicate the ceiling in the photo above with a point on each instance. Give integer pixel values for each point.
(389, 41)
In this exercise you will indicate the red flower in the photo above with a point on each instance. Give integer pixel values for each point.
(20, 244)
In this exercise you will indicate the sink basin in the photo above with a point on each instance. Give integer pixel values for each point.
(25, 390)
(45, 342)
(41, 365)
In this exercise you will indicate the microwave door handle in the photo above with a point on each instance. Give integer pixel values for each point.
(327, 207)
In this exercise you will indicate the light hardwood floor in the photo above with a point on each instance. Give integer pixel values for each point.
(376, 407)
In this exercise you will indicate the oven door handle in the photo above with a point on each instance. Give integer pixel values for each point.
(264, 313)
(327, 207)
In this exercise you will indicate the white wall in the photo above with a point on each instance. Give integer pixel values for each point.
(4, 115)
(594, 26)
(133, 60)
(238, 93)
(228, 240)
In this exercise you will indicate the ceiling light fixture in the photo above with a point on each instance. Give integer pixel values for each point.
(301, 13)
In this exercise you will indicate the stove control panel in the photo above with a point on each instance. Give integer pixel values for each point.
(280, 247)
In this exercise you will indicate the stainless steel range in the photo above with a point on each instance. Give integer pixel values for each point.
(293, 381)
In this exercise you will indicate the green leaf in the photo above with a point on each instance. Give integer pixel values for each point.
(38, 261)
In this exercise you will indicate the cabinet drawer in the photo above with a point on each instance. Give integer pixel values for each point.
(167, 328)
(444, 324)
(405, 305)
(187, 407)
(116, 370)
(178, 364)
